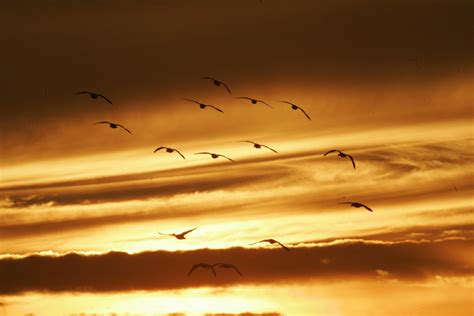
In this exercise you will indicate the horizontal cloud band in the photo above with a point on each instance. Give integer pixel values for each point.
(161, 270)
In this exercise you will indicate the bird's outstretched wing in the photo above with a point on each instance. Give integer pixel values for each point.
(126, 129)
(257, 242)
(269, 148)
(271, 107)
(283, 246)
(236, 269)
(166, 234)
(332, 151)
(159, 148)
(226, 87)
(345, 203)
(226, 157)
(213, 271)
(247, 141)
(208, 78)
(180, 153)
(304, 113)
(188, 231)
(287, 102)
(194, 267)
(82, 92)
(203, 153)
(105, 98)
(102, 122)
(212, 106)
(353, 162)
(246, 98)
(190, 100)
(366, 207)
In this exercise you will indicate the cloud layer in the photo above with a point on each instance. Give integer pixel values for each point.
(117, 271)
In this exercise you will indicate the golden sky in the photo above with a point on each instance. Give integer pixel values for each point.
(389, 83)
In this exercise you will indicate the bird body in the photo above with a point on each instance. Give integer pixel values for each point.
(95, 95)
(342, 155)
(217, 83)
(296, 107)
(258, 146)
(272, 241)
(357, 205)
(213, 155)
(180, 236)
(114, 125)
(169, 150)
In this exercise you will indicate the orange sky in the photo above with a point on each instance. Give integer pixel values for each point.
(82, 204)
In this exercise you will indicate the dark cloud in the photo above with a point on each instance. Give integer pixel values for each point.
(159, 270)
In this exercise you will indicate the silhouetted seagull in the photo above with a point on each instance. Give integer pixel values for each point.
(169, 150)
(296, 107)
(204, 266)
(342, 155)
(180, 236)
(258, 146)
(213, 155)
(94, 95)
(255, 101)
(114, 125)
(357, 205)
(203, 105)
(272, 241)
(227, 266)
(217, 83)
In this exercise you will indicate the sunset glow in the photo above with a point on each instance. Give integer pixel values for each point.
(83, 205)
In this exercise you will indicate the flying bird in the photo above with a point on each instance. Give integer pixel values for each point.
(227, 266)
(213, 155)
(95, 95)
(203, 266)
(169, 150)
(296, 107)
(342, 155)
(203, 105)
(255, 101)
(217, 83)
(180, 236)
(272, 241)
(357, 205)
(258, 146)
(114, 125)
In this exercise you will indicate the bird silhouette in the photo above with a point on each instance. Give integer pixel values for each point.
(255, 101)
(213, 155)
(203, 105)
(357, 205)
(296, 107)
(180, 236)
(169, 150)
(272, 241)
(257, 145)
(95, 95)
(342, 155)
(217, 83)
(203, 266)
(114, 125)
(227, 266)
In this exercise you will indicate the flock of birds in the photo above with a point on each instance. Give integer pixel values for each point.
(218, 83)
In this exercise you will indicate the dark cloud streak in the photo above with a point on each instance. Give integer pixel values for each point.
(162, 270)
